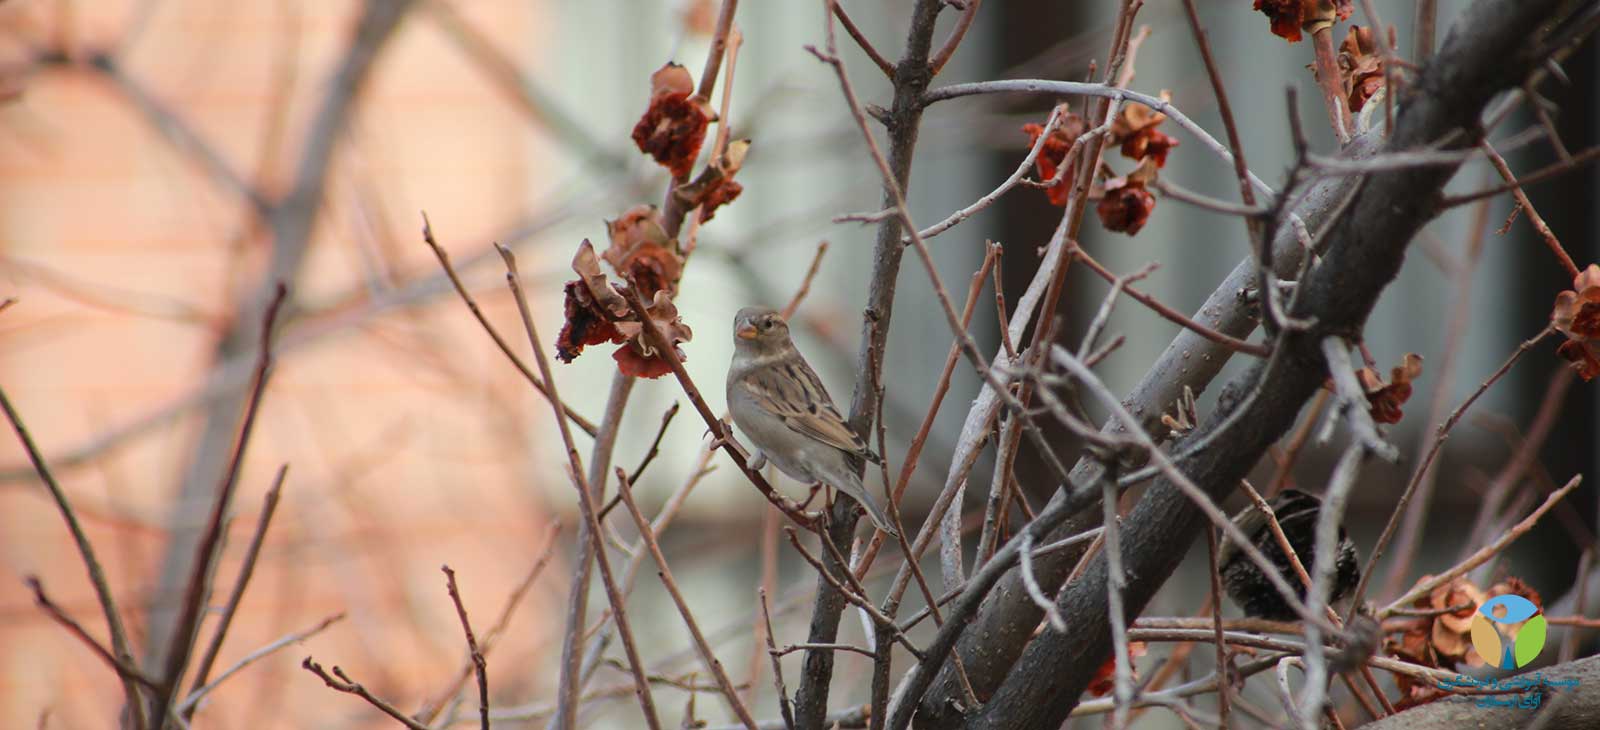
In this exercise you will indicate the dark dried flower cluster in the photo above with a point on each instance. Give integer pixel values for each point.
(674, 126)
(1135, 130)
(1127, 202)
(597, 310)
(1385, 398)
(1105, 678)
(1053, 156)
(1290, 18)
(1360, 67)
(1443, 639)
(1577, 315)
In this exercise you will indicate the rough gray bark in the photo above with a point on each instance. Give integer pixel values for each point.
(1490, 49)
(903, 120)
(1577, 707)
(1007, 618)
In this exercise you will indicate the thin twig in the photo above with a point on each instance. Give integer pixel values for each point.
(1539, 226)
(268, 507)
(208, 547)
(784, 705)
(192, 702)
(861, 40)
(655, 445)
(586, 506)
(479, 666)
(942, 56)
(127, 671)
(712, 664)
(477, 313)
(343, 683)
(1485, 553)
(433, 708)
(1423, 466)
(120, 648)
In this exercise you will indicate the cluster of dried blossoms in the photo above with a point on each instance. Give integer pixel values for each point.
(1126, 201)
(1385, 398)
(1360, 67)
(641, 253)
(1443, 638)
(1577, 315)
(1290, 18)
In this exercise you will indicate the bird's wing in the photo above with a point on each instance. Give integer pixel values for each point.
(790, 390)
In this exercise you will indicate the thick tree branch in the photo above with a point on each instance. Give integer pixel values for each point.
(1497, 43)
(911, 79)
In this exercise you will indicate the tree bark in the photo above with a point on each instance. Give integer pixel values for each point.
(1491, 49)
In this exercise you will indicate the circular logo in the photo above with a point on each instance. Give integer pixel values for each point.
(1497, 637)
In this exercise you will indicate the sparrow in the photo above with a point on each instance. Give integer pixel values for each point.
(1297, 514)
(779, 402)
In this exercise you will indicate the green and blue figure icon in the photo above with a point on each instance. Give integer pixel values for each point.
(1497, 637)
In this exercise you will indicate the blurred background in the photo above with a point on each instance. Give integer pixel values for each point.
(162, 161)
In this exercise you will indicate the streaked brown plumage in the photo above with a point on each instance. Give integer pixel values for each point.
(780, 404)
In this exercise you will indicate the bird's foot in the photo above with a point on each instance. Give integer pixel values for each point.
(758, 460)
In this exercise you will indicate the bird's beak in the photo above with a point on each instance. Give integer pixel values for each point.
(746, 331)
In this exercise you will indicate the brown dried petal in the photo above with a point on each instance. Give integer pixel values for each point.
(1126, 206)
(1290, 17)
(596, 286)
(1456, 593)
(640, 357)
(717, 197)
(1385, 399)
(674, 125)
(1583, 357)
(1054, 154)
(1577, 312)
(585, 324)
(671, 78)
(641, 252)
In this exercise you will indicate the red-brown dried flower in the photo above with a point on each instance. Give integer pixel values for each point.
(1105, 678)
(1360, 67)
(1053, 155)
(1127, 204)
(597, 310)
(591, 305)
(1135, 129)
(641, 252)
(1384, 399)
(715, 187)
(674, 126)
(1577, 315)
(1291, 17)
(639, 357)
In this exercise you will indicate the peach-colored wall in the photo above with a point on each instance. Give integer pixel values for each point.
(404, 432)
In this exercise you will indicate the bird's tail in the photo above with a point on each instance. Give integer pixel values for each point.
(857, 491)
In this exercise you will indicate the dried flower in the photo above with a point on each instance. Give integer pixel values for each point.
(1135, 129)
(1053, 155)
(641, 252)
(1360, 67)
(715, 187)
(597, 311)
(1577, 315)
(1105, 678)
(591, 305)
(1384, 399)
(1126, 205)
(674, 126)
(1290, 18)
